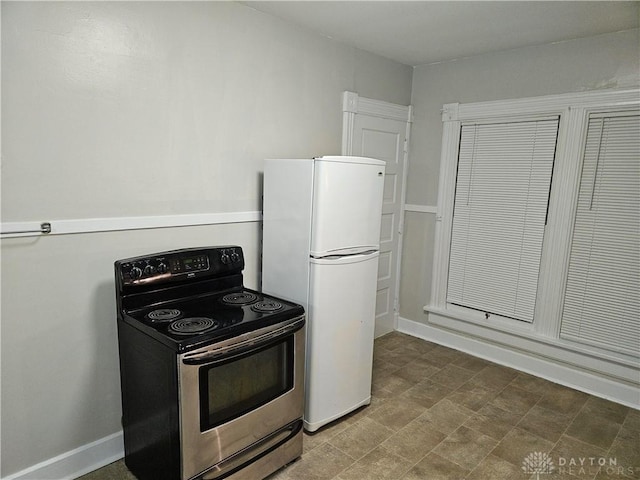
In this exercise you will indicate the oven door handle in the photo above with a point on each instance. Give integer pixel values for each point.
(238, 345)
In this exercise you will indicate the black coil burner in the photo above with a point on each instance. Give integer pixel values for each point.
(163, 315)
(267, 306)
(192, 325)
(239, 299)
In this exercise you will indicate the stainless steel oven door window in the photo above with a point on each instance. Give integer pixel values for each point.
(237, 392)
(245, 382)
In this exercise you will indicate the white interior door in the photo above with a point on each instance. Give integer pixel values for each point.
(380, 130)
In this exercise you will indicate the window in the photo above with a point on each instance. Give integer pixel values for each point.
(602, 298)
(500, 206)
(538, 223)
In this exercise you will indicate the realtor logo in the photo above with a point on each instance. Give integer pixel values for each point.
(538, 462)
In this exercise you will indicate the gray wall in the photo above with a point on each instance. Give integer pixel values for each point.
(605, 61)
(120, 109)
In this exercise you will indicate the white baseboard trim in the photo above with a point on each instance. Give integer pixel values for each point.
(527, 362)
(77, 462)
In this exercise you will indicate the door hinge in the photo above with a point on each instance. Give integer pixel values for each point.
(404, 147)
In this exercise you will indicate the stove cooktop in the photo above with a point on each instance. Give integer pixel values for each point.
(188, 323)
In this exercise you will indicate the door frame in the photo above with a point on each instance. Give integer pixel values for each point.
(352, 105)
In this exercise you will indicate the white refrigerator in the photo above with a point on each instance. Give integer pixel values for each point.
(321, 238)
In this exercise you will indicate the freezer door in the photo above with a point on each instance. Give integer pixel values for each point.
(347, 205)
(340, 328)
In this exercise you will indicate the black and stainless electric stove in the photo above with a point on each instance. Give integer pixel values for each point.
(212, 373)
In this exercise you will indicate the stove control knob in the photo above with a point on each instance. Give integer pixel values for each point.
(225, 259)
(135, 273)
(235, 257)
(161, 268)
(149, 270)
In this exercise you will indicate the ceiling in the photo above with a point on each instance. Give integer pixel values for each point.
(422, 32)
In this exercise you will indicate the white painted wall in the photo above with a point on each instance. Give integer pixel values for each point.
(199, 91)
(119, 109)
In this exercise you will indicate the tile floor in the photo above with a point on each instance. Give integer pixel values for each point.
(437, 413)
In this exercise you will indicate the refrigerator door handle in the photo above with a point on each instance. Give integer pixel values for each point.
(341, 252)
(345, 259)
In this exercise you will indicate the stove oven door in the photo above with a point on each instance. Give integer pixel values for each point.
(240, 399)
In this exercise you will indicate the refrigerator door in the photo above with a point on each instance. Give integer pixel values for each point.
(340, 330)
(286, 228)
(347, 205)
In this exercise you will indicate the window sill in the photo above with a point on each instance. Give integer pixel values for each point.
(526, 339)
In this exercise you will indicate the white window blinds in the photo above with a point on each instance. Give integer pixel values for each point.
(500, 207)
(602, 298)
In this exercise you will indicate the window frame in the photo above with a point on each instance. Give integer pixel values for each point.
(506, 127)
(590, 114)
(573, 110)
